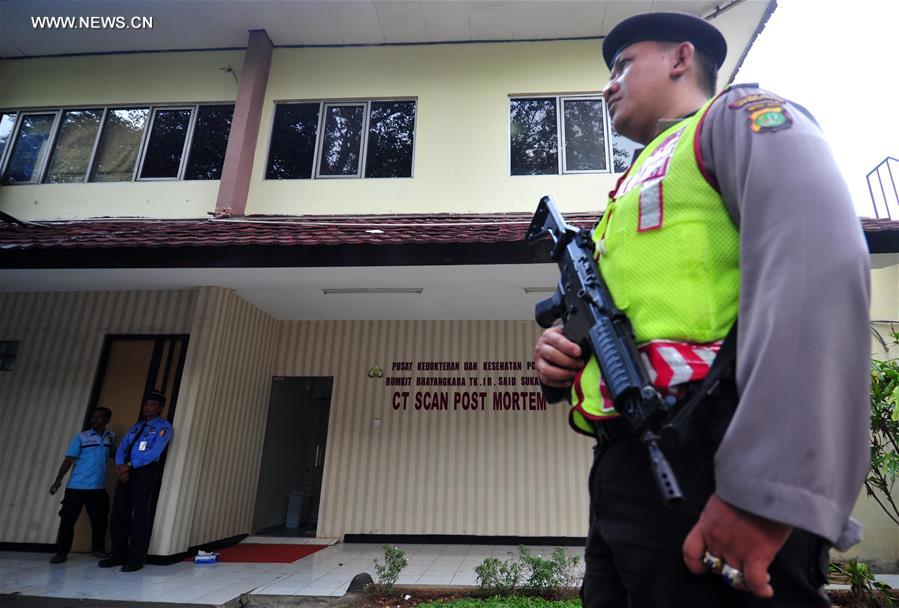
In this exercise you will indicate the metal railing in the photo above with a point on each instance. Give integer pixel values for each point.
(884, 189)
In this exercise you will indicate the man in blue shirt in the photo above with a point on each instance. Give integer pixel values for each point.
(89, 452)
(137, 466)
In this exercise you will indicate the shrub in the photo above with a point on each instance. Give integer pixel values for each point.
(394, 562)
(884, 433)
(557, 575)
(865, 591)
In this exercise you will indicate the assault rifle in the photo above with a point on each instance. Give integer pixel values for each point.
(590, 319)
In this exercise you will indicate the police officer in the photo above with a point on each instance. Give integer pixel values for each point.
(734, 208)
(137, 466)
(88, 452)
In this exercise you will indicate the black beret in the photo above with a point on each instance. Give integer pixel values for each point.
(155, 396)
(665, 27)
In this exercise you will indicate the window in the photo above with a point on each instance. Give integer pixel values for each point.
(76, 140)
(114, 144)
(29, 149)
(8, 351)
(342, 140)
(552, 135)
(7, 123)
(119, 144)
(210, 140)
(624, 151)
(165, 146)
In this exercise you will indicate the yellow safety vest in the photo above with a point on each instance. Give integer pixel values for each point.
(669, 252)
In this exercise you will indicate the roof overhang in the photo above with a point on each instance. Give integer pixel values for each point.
(181, 26)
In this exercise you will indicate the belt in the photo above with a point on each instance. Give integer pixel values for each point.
(610, 430)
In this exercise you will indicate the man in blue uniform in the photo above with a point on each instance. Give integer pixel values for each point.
(88, 452)
(137, 466)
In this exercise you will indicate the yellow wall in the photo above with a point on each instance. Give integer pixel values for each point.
(106, 80)
(462, 125)
(461, 161)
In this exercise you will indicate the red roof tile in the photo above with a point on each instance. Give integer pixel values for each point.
(291, 231)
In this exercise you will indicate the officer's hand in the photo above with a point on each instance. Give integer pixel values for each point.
(54, 488)
(121, 468)
(557, 358)
(123, 476)
(743, 540)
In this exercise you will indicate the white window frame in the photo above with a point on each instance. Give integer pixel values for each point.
(185, 148)
(42, 162)
(6, 150)
(560, 132)
(563, 156)
(319, 140)
(91, 167)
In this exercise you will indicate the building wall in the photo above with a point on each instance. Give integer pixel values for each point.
(462, 125)
(481, 472)
(209, 488)
(44, 400)
(461, 160)
(98, 80)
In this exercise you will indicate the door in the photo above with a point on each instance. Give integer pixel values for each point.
(130, 366)
(293, 457)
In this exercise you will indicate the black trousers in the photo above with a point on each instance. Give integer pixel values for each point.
(130, 526)
(97, 504)
(634, 553)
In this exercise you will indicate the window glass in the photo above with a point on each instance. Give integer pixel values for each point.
(293, 141)
(7, 122)
(119, 144)
(210, 140)
(166, 144)
(341, 140)
(391, 128)
(624, 151)
(585, 141)
(74, 144)
(29, 149)
(534, 141)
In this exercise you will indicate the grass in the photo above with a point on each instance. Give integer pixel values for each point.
(511, 601)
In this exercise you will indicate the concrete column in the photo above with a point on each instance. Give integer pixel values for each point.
(235, 183)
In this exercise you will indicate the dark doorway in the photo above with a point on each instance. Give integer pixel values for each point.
(131, 366)
(293, 457)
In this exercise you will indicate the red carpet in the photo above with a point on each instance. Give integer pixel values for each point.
(266, 553)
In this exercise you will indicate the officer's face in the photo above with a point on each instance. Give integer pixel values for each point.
(636, 93)
(98, 419)
(151, 409)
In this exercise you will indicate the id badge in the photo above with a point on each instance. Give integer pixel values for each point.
(142, 446)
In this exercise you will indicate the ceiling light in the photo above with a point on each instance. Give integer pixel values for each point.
(328, 292)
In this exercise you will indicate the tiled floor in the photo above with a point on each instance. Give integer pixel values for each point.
(325, 573)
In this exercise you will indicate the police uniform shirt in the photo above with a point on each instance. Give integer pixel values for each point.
(797, 448)
(91, 452)
(148, 447)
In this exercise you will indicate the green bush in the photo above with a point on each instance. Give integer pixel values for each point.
(513, 601)
(558, 575)
(884, 433)
(865, 591)
(394, 562)
(498, 576)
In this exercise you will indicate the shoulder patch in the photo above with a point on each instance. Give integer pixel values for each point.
(767, 113)
(162, 433)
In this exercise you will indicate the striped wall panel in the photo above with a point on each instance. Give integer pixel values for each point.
(211, 473)
(481, 472)
(44, 399)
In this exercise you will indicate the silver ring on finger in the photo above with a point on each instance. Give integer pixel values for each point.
(712, 562)
(732, 576)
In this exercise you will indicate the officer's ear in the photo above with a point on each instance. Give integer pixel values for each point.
(683, 56)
